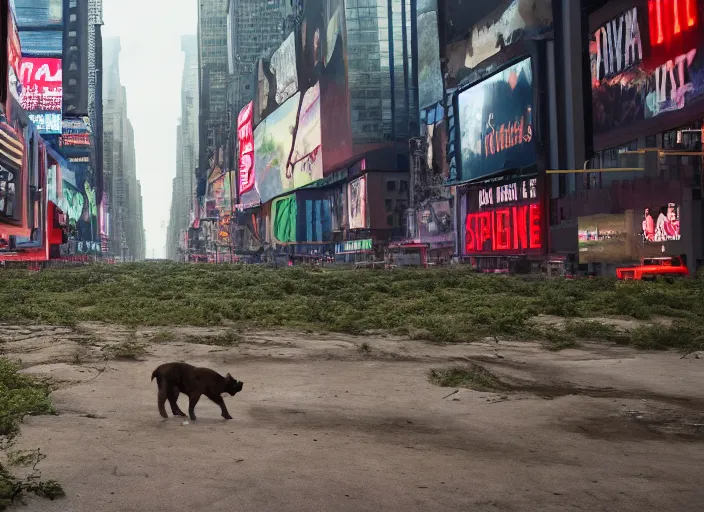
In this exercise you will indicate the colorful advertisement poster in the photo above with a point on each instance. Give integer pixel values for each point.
(661, 223)
(496, 123)
(307, 159)
(245, 137)
(357, 203)
(646, 62)
(14, 57)
(42, 92)
(284, 211)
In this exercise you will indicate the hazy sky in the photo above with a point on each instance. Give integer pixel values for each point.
(151, 63)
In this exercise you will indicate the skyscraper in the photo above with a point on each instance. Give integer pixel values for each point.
(381, 67)
(186, 148)
(213, 77)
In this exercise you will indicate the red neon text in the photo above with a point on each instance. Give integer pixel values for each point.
(516, 229)
(507, 136)
(669, 18)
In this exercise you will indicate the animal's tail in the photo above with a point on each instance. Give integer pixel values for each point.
(155, 374)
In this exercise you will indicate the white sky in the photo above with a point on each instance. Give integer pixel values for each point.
(151, 63)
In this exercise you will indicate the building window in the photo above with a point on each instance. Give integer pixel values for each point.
(389, 205)
(390, 186)
(403, 186)
(390, 221)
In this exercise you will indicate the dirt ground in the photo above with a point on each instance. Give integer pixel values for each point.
(327, 423)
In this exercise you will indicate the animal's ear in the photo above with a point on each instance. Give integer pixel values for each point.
(229, 376)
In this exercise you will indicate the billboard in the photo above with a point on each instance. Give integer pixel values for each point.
(646, 62)
(435, 219)
(14, 58)
(607, 238)
(430, 85)
(504, 218)
(284, 212)
(42, 92)
(11, 155)
(245, 138)
(323, 62)
(661, 223)
(273, 139)
(39, 13)
(306, 164)
(495, 118)
(277, 79)
(357, 203)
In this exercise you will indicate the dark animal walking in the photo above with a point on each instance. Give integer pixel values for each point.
(175, 378)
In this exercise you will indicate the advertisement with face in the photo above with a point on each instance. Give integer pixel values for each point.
(435, 219)
(42, 92)
(496, 123)
(430, 86)
(661, 223)
(357, 203)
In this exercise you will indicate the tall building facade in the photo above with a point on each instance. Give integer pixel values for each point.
(184, 184)
(123, 190)
(212, 80)
(381, 61)
(255, 28)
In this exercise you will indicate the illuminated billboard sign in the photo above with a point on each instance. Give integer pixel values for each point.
(647, 61)
(245, 137)
(357, 203)
(661, 223)
(504, 218)
(42, 92)
(495, 120)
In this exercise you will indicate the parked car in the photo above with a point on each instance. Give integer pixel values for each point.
(651, 268)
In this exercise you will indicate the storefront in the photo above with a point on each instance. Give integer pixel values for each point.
(354, 251)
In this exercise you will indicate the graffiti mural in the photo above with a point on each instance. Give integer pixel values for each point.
(642, 67)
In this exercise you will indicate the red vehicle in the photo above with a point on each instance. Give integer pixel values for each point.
(54, 234)
(652, 268)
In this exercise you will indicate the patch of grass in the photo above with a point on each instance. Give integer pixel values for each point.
(163, 336)
(125, 351)
(444, 305)
(365, 348)
(20, 396)
(471, 376)
(229, 338)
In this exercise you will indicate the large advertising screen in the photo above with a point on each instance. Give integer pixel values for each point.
(661, 223)
(284, 212)
(39, 13)
(273, 139)
(42, 92)
(357, 203)
(606, 238)
(307, 160)
(430, 85)
(245, 138)
(496, 123)
(277, 79)
(505, 218)
(646, 62)
(323, 61)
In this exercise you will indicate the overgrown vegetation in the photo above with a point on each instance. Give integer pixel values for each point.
(20, 396)
(471, 376)
(125, 350)
(439, 305)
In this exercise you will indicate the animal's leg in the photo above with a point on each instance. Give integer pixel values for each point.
(161, 398)
(173, 397)
(192, 401)
(223, 409)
